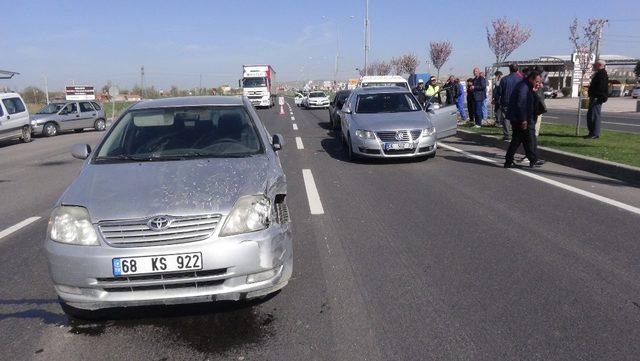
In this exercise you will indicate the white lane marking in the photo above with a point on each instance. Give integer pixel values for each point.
(315, 205)
(627, 124)
(18, 226)
(295, 126)
(552, 182)
(299, 143)
(293, 118)
(548, 116)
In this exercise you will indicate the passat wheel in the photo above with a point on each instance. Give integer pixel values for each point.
(350, 154)
(100, 125)
(50, 129)
(26, 134)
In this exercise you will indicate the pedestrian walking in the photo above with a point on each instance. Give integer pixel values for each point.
(433, 91)
(598, 94)
(523, 108)
(495, 98)
(451, 89)
(460, 98)
(471, 101)
(507, 84)
(479, 88)
(418, 92)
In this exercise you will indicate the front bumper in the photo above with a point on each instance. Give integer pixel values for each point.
(263, 102)
(318, 105)
(84, 279)
(37, 129)
(426, 146)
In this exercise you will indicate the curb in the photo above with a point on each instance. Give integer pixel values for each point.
(626, 173)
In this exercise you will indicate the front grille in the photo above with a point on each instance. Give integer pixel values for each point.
(137, 233)
(163, 281)
(282, 212)
(404, 135)
(369, 151)
(255, 96)
(396, 152)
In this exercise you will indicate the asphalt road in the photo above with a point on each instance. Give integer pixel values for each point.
(626, 122)
(453, 258)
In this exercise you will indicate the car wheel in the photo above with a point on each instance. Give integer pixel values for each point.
(80, 314)
(78, 130)
(50, 130)
(26, 134)
(100, 125)
(350, 154)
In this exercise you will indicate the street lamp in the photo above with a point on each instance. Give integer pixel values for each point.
(326, 18)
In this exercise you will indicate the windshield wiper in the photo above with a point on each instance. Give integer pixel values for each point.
(125, 157)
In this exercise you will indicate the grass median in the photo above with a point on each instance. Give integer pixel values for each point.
(614, 146)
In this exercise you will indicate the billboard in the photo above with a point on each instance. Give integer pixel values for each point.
(79, 92)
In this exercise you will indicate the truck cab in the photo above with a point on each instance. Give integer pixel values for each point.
(258, 84)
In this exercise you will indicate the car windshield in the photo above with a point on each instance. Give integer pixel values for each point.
(181, 132)
(386, 103)
(317, 95)
(51, 108)
(368, 85)
(254, 82)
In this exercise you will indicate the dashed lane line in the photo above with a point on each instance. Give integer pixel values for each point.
(315, 205)
(299, 144)
(293, 118)
(295, 126)
(17, 227)
(552, 182)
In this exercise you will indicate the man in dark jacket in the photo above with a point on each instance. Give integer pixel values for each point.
(507, 84)
(522, 114)
(479, 95)
(598, 94)
(418, 92)
(495, 98)
(451, 89)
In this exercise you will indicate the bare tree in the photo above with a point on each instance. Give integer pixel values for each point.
(396, 66)
(584, 47)
(439, 52)
(409, 63)
(373, 68)
(384, 68)
(506, 38)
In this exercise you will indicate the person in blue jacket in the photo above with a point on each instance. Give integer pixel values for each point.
(479, 88)
(523, 110)
(459, 92)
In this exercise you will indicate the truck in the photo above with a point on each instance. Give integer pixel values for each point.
(259, 84)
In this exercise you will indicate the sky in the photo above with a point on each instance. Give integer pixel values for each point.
(181, 42)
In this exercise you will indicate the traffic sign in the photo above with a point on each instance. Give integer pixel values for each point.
(281, 100)
(114, 91)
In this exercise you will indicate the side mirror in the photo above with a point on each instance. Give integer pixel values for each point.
(346, 109)
(277, 142)
(81, 151)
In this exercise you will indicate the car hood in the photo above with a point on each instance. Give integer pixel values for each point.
(138, 190)
(42, 116)
(391, 121)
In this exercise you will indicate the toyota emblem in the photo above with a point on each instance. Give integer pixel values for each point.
(158, 223)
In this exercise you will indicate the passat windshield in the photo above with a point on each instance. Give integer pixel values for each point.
(179, 133)
(386, 103)
(254, 82)
(51, 108)
(317, 95)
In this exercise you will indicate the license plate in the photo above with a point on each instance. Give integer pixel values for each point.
(398, 146)
(157, 264)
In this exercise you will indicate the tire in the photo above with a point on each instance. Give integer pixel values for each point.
(100, 125)
(80, 130)
(26, 134)
(81, 314)
(350, 155)
(50, 129)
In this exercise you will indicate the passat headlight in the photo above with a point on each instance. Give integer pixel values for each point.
(366, 134)
(72, 225)
(428, 131)
(249, 214)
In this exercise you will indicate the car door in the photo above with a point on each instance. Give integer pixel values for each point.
(69, 117)
(88, 115)
(14, 117)
(444, 118)
(344, 113)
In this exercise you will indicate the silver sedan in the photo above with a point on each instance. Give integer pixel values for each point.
(183, 201)
(389, 122)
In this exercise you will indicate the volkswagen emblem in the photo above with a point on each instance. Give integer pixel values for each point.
(159, 223)
(399, 135)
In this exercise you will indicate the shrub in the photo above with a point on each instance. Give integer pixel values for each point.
(566, 91)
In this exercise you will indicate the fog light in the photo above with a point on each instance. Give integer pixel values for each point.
(69, 289)
(262, 276)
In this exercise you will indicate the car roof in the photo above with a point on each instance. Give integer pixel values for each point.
(189, 102)
(380, 89)
(7, 95)
(382, 78)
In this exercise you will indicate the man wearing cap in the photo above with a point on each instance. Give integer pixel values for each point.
(418, 92)
(598, 94)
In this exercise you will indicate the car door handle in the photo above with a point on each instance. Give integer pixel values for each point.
(8, 117)
(94, 114)
(77, 115)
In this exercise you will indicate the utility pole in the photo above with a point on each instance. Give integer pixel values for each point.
(142, 82)
(600, 26)
(200, 85)
(366, 37)
(46, 88)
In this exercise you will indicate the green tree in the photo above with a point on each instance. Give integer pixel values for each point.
(637, 70)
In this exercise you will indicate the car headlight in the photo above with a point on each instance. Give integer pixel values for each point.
(428, 131)
(366, 134)
(249, 214)
(72, 225)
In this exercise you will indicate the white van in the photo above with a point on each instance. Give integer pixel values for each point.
(383, 80)
(14, 118)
